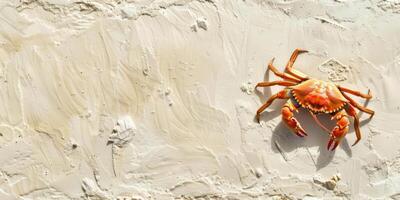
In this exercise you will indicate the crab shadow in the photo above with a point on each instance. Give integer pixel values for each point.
(289, 142)
(317, 136)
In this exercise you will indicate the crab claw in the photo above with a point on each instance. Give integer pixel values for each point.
(333, 143)
(296, 128)
(339, 131)
(290, 121)
(337, 134)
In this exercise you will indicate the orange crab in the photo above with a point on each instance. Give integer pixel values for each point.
(318, 97)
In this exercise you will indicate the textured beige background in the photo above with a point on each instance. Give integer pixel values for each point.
(153, 99)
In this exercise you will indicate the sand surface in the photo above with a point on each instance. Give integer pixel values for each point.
(154, 99)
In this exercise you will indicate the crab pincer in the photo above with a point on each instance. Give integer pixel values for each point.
(290, 121)
(296, 128)
(339, 131)
(335, 139)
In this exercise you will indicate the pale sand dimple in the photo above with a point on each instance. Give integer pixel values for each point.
(175, 81)
(336, 71)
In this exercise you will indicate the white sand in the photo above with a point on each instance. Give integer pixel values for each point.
(154, 99)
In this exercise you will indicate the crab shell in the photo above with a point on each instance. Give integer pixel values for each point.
(318, 96)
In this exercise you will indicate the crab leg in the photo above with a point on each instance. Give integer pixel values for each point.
(282, 83)
(283, 94)
(280, 74)
(290, 121)
(360, 107)
(289, 65)
(340, 130)
(319, 122)
(352, 112)
(356, 93)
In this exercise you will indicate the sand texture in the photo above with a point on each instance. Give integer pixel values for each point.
(154, 99)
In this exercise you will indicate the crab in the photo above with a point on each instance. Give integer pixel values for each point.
(318, 97)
